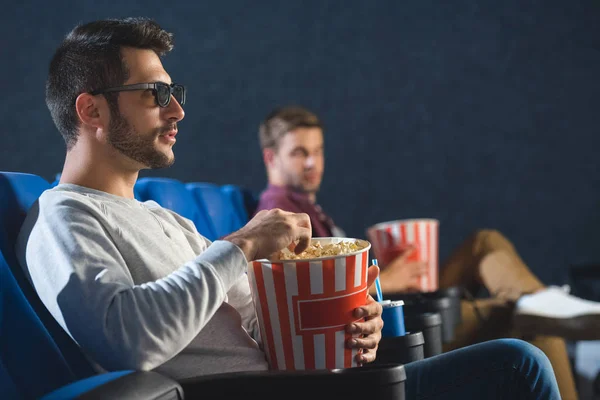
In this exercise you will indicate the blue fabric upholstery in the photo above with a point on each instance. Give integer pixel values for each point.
(218, 205)
(31, 361)
(56, 180)
(31, 364)
(172, 194)
(18, 191)
(236, 197)
(9, 390)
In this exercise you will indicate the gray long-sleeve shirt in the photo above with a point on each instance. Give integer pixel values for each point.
(137, 287)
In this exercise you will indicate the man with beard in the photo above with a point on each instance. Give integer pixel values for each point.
(292, 144)
(136, 285)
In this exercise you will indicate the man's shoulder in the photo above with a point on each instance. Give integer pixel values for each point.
(60, 193)
(53, 211)
(269, 194)
(270, 199)
(64, 200)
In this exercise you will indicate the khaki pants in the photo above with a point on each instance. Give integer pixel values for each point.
(489, 259)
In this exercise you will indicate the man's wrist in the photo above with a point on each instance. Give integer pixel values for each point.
(247, 246)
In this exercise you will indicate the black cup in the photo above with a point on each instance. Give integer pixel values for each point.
(377, 381)
(431, 326)
(401, 349)
(455, 293)
(437, 302)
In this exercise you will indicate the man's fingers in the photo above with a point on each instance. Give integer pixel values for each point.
(303, 220)
(302, 245)
(260, 214)
(407, 251)
(417, 268)
(371, 309)
(304, 235)
(303, 231)
(415, 283)
(365, 357)
(366, 328)
(372, 274)
(369, 342)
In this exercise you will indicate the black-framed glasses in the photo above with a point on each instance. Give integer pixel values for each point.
(162, 91)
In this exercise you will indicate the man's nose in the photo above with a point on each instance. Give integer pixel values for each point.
(309, 162)
(174, 111)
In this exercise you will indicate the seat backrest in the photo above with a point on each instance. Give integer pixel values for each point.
(18, 191)
(218, 205)
(56, 180)
(236, 197)
(31, 364)
(251, 199)
(172, 194)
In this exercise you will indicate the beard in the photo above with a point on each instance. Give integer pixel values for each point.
(305, 187)
(310, 189)
(141, 148)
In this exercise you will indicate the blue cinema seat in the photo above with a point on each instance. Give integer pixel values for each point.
(219, 205)
(235, 194)
(18, 191)
(56, 180)
(32, 366)
(172, 194)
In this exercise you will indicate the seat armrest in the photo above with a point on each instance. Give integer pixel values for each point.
(382, 382)
(126, 385)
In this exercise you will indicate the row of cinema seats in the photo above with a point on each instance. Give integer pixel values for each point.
(216, 210)
(38, 360)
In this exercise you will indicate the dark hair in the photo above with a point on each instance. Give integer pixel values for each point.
(283, 120)
(89, 58)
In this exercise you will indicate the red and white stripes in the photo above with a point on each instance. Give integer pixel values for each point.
(303, 308)
(388, 237)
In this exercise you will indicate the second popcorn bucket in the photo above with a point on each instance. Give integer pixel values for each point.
(389, 238)
(303, 305)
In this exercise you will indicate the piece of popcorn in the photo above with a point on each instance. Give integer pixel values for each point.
(317, 250)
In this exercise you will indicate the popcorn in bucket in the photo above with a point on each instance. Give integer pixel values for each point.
(304, 303)
(390, 239)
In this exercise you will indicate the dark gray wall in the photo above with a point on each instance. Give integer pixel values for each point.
(481, 114)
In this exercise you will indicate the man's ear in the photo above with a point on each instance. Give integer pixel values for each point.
(268, 156)
(90, 110)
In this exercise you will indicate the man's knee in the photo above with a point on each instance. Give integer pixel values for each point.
(488, 240)
(528, 362)
(489, 235)
(523, 353)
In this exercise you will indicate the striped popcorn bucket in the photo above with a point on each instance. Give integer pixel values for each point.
(390, 238)
(303, 307)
